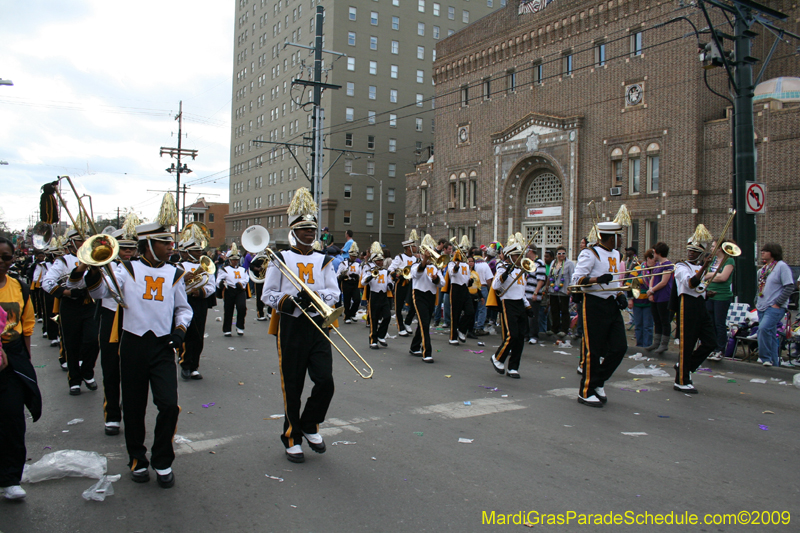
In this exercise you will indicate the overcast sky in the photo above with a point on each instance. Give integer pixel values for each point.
(96, 89)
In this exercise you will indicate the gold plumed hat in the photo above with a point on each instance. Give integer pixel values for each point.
(375, 251)
(412, 239)
(302, 210)
(623, 217)
(427, 240)
(317, 245)
(701, 235)
(465, 244)
(161, 229)
(233, 253)
(354, 249)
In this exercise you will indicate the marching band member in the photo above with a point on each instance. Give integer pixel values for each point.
(511, 280)
(39, 269)
(402, 286)
(48, 300)
(302, 346)
(235, 292)
(378, 306)
(76, 313)
(198, 299)
(156, 319)
(426, 280)
(693, 318)
(348, 274)
(257, 267)
(459, 281)
(603, 327)
(110, 327)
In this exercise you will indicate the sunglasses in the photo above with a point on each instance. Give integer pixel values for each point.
(7, 258)
(561, 253)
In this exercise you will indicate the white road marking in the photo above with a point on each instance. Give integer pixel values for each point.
(480, 407)
(202, 445)
(564, 392)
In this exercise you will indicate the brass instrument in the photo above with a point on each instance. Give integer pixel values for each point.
(198, 278)
(196, 228)
(375, 271)
(259, 277)
(527, 266)
(728, 248)
(634, 285)
(100, 250)
(41, 235)
(329, 315)
(404, 272)
(439, 260)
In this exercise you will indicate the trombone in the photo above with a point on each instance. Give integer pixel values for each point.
(439, 260)
(97, 251)
(728, 248)
(329, 315)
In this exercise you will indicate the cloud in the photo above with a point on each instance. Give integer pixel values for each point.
(96, 89)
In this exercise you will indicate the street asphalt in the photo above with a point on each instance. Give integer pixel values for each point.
(423, 447)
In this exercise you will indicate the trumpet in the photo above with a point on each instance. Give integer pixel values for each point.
(198, 278)
(404, 272)
(375, 271)
(329, 315)
(439, 260)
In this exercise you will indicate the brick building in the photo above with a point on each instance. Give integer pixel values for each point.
(540, 113)
(212, 214)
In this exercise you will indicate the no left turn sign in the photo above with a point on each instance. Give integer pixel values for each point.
(756, 198)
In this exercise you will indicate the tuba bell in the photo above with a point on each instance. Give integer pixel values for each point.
(42, 234)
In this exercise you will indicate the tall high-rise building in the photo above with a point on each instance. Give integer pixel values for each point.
(383, 111)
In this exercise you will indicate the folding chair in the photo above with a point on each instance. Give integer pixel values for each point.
(737, 314)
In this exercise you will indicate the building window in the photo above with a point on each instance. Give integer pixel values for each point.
(636, 44)
(352, 13)
(373, 92)
(348, 191)
(348, 139)
(653, 163)
(451, 13)
(633, 174)
(390, 195)
(421, 6)
(370, 143)
(465, 16)
(348, 114)
(421, 29)
(423, 200)
(465, 96)
(462, 194)
(420, 52)
(371, 117)
(436, 32)
(351, 64)
(600, 54)
(390, 220)
(373, 43)
(436, 8)
(373, 67)
(346, 219)
(395, 47)
(537, 74)
(420, 76)
(393, 71)
(370, 192)
(392, 120)
(420, 99)
(351, 88)
(211, 232)
(418, 124)
(370, 168)
(351, 38)
(511, 78)
(392, 172)
(393, 96)
(348, 165)
(392, 145)
(473, 193)
(373, 18)
(211, 218)
(487, 88)
(617, 173)
(566, 65)
(545, 189)
(370, 218)
(651, 233)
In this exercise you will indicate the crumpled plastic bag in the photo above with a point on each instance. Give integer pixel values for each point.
(66, 463)
(652, 370)
(101, 489)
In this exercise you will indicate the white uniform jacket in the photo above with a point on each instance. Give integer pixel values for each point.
(593, 262)
(315, 270)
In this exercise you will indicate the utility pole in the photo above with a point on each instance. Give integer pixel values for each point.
(746, 13)
(177, 153)
(118, 224)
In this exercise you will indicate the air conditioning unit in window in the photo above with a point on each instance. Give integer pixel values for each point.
(616, 191)
(451, 205)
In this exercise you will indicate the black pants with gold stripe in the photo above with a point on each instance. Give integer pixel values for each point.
(380, 314)
(303, 349)
(51, 326)
(352, 298)
(234, 298)
(603, 338)
(193, 343)
(109, 361)
(424, 302)
(462, 313)
(514, 326)
(402, 291)
(148, 363)
(79, 338)
(695, 324)
(259, 303)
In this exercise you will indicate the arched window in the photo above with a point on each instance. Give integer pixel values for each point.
(545, 189)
